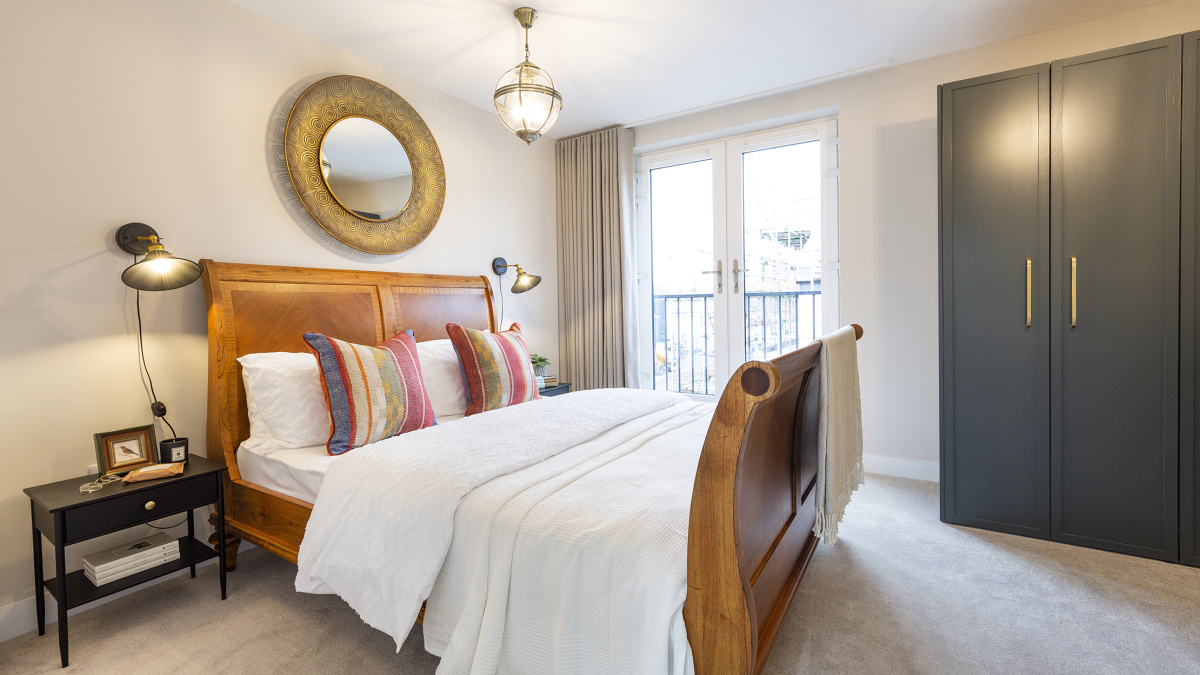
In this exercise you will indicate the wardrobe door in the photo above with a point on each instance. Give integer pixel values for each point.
(995, 337)
(1115, 246)
(1189, 458)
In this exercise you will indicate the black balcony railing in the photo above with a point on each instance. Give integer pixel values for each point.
(684, 328)
(778, 322)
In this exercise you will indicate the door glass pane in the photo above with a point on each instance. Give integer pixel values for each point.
(681, 240)
(781, 216)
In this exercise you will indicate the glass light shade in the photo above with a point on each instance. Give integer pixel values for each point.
(525, 281)
(527, 101)
(160, 271)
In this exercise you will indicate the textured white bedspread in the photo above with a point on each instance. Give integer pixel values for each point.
(583, 571)
(384, 517)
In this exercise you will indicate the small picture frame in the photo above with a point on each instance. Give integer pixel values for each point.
(122, 451)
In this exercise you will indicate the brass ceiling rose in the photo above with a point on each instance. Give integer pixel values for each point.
(340, 97)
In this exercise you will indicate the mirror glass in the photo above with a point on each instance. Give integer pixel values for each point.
(366, 168)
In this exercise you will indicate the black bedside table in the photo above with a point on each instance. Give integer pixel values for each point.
(556, 390)
(66, 516)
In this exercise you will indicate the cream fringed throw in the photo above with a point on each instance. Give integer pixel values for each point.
(839, 432)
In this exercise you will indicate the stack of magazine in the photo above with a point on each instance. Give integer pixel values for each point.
(117, 563)
(547, 381)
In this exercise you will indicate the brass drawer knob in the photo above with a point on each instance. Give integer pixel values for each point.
(149, 505)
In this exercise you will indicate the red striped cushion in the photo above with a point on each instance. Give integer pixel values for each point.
(373, 392)
(495, 366)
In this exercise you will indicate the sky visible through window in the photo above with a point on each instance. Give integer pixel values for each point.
(681, 216)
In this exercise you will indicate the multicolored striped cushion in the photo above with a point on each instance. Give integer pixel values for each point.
(373, 392)
(495, 366)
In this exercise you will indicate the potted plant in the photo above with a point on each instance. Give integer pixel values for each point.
(539, 364)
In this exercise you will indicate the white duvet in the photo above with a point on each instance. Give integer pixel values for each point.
(581, 562)
(584, 572)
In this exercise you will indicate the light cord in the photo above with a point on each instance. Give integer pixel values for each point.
(185, 517)
(146, 368)
(500, 285)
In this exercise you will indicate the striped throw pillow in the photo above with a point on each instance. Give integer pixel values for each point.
(373, 392)
(496, 367)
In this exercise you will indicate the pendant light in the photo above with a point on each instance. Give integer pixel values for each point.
(525, 98)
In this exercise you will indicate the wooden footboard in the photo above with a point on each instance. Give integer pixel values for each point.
(753, 509)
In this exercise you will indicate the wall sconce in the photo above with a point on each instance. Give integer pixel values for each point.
(159, 270)
(525, 281)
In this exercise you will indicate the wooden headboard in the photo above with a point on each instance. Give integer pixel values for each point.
(263, 308)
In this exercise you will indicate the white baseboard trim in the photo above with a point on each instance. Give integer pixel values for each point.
(20, 617)
(902, 468)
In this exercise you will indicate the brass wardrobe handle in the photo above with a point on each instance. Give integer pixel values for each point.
(1074, 285)
(1028, 292)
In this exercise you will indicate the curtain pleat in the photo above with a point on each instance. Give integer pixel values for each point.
(594, 209)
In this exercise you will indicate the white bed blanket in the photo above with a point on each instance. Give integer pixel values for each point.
(383, 520)
(582, 572)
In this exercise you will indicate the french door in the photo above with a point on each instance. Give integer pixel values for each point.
(737, 251)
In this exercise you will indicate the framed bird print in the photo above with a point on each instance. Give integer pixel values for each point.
(119, 452)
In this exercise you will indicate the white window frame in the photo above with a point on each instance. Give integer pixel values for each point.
(729, 307)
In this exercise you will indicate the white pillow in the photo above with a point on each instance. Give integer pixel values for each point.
(443, 377)
(285, 401)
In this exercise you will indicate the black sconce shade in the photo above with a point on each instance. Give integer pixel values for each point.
(159, 270)
(525, 281)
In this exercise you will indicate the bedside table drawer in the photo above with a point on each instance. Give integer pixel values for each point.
(127, 510)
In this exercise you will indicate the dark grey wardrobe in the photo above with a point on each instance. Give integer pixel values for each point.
(1189, 456)
(1061, 323)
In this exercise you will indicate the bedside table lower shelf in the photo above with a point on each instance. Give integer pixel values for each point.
(81, 591)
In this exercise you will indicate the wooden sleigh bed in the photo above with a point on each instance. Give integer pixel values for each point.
(753, 506)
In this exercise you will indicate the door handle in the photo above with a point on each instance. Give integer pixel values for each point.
(1028, 292)
(716, 272)
(1074, 286)
(735, 271)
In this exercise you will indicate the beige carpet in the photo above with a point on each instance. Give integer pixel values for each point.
(900, 593)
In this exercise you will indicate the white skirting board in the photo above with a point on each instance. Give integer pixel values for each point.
(902, 468)
(21, 617)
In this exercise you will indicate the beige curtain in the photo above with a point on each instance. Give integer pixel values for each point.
(597, 276)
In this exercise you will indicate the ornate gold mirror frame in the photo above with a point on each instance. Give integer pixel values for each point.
(336, 98)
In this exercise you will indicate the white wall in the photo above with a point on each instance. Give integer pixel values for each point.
(887, 127)
(165, 112)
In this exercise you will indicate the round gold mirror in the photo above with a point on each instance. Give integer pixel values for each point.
(364, 164)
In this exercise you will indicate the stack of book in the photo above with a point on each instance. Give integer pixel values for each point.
(117, 563)
(547, 381)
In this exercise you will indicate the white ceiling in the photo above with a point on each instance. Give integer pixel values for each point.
(624, 61)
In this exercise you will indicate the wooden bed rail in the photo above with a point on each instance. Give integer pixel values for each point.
(753, 509)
